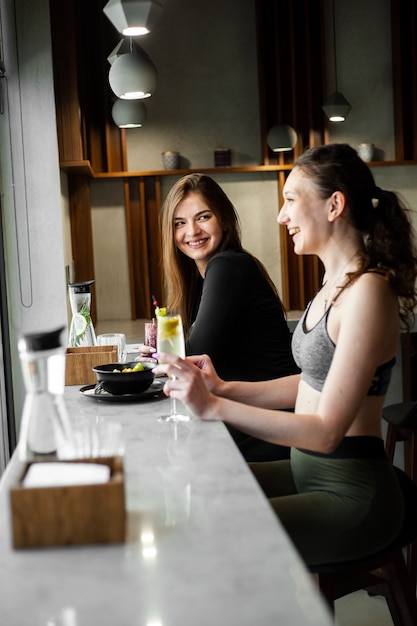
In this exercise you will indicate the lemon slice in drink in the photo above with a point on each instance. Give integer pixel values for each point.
(80, 324)
(169, 327)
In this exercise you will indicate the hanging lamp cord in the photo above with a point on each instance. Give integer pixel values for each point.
(334, 46)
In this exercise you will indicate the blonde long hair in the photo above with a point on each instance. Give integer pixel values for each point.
(180, 272)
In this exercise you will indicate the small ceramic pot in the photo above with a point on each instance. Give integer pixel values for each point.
(366, 151)
(222, 157)
(170, 159)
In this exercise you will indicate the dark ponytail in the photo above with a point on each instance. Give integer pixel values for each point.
(380, 216)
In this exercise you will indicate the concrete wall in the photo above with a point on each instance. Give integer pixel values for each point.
(29, 174)
(207, 96)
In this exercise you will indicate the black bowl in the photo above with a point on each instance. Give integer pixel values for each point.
(120, 383)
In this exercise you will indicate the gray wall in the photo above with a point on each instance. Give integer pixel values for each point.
(207, 96)
(30, 183)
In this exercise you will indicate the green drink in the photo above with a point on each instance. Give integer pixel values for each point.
(170, 339)
(170, 335)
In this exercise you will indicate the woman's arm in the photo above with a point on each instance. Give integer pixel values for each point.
(222, 294)
(366, 322)
(279, 393)
(189, 386)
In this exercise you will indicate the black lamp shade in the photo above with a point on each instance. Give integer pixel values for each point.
(281, 138)
(336, 107)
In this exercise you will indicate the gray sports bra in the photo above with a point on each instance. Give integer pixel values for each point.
(313, 352)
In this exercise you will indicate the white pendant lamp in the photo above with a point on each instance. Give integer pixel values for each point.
(133, 17)
(123, 47)
(281, 138)
(128, 113)
(132, 75)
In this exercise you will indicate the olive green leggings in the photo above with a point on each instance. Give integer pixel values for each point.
(333, 509)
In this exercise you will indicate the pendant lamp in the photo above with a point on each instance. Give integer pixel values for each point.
(281, 138)
(336, 107)
(132, 75)
(123, 47)
(133, 17)
(128, 113)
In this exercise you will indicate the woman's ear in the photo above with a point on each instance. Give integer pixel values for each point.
(337, 205)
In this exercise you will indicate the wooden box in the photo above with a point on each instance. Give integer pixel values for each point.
(72, 515)
(80, 361)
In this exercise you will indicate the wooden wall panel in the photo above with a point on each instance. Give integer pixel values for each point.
(291, 61)
(82, 39)
(82, 233)
(291, 65)
(143, 201)
(404, 64)
(66, 82)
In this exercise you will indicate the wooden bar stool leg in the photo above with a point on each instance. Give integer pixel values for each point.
(390, 442)
(410, 458)
(400, 596)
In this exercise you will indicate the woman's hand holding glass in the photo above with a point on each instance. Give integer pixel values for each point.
(191, 381)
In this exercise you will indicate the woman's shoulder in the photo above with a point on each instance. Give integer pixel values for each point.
(371, 296)
(376, 279)
(232, 256)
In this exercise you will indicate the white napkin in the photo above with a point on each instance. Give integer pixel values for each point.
(64, 474)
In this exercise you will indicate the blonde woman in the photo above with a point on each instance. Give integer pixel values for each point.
(229, 305)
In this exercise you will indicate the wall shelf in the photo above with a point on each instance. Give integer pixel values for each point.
(201, 170)
(84, 168)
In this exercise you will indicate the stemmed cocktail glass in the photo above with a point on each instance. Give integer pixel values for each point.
(170, 339)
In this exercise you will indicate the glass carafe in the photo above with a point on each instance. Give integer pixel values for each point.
(45, 429)
(82, 331)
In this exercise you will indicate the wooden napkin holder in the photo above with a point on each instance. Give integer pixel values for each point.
(71, 515)
(80, 362)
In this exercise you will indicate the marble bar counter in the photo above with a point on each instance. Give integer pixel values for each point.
(203, 547)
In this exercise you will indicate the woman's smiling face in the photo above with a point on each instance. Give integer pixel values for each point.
(197, 230)
(304, 213)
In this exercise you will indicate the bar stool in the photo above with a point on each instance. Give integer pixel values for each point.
(402, 426)
(384, 573)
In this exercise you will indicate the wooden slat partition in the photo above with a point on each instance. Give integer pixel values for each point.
(143, 201)
(82, 233)
(404, 66)
(291, 61)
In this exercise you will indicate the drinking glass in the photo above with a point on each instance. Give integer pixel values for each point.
(114, 339)
(170, 338)
(150, 334)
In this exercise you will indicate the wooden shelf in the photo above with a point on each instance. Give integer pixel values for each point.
(202, 170)
(76, 168)
(84, 168)
(391, 163)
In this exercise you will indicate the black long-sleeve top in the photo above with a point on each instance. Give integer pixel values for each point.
(239, 321)
(240, 324)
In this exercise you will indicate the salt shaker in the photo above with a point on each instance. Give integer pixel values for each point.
(45, 430)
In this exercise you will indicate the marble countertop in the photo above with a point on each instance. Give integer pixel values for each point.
(203, 546)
